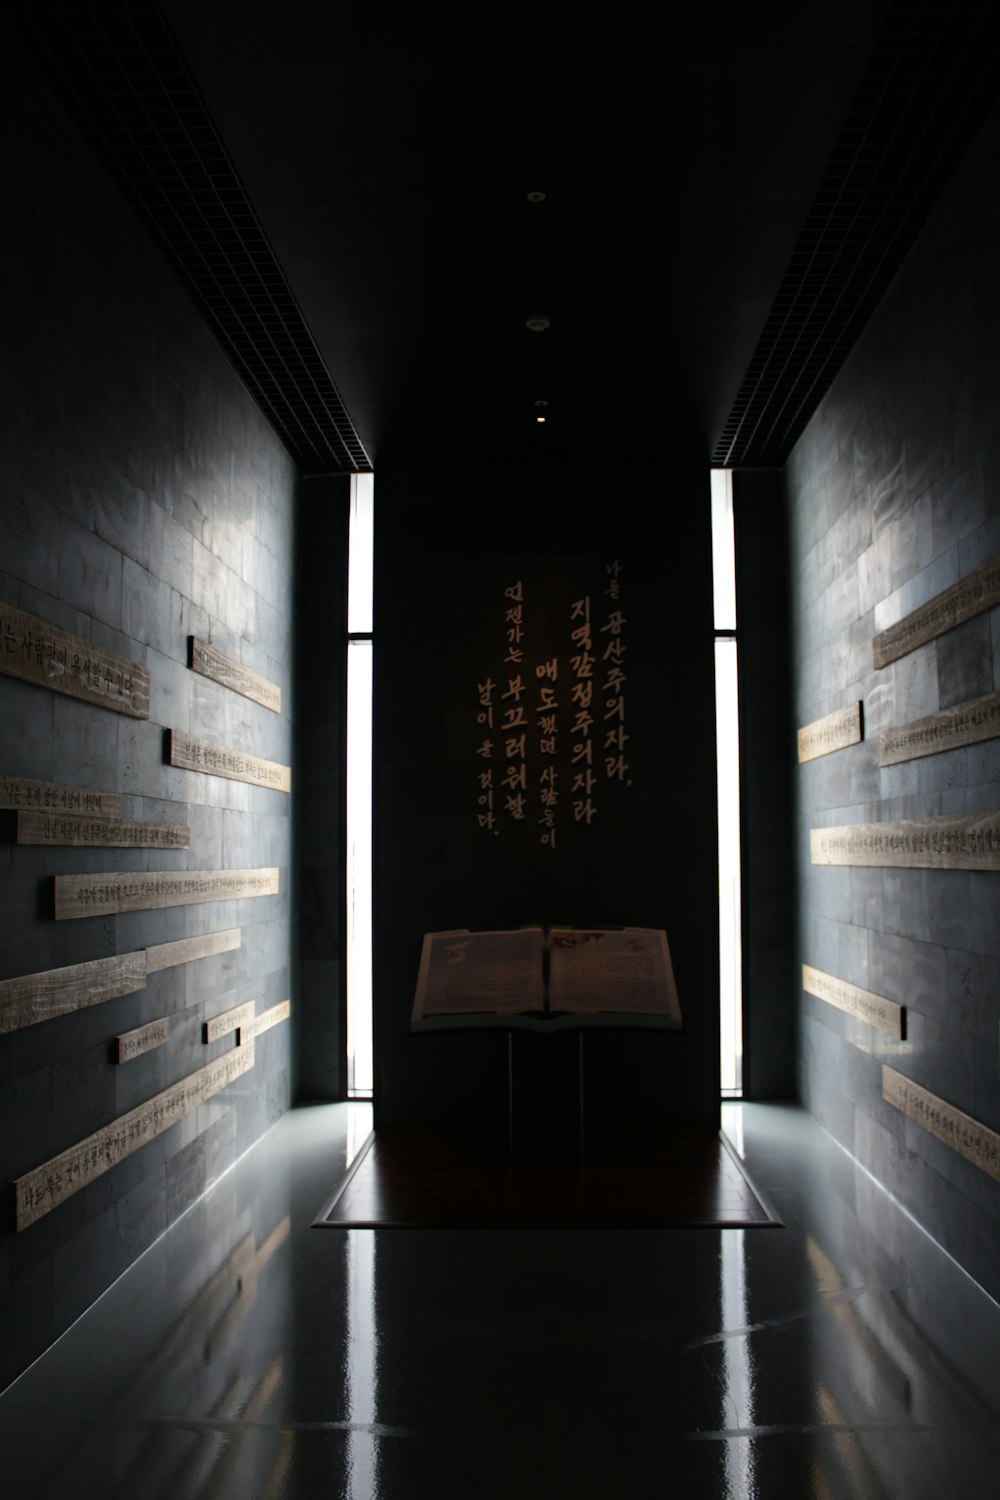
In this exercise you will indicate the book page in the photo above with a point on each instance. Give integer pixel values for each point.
(626, 972)
(472, 972)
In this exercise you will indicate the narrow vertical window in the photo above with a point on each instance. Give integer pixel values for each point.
(728, 762)
(360, 648)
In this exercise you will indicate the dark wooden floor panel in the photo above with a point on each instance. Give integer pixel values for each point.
(454, 1179)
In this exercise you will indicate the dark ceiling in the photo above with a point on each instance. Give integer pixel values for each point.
(728, 189)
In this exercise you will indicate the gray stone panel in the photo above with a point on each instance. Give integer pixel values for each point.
(147, 500)
(915, 410)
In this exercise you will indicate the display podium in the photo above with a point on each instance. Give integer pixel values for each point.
(545, 1094)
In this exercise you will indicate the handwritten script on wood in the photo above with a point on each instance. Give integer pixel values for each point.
(209, 661)
(40, 1191)
(104, 833)
(125, 890)
(216, 760)
(964, 724)
(236, 1019)
(187, 950)
(58, 992)
(49, 796)
(976, 1142)
(885, 1015)
(43, 654)
(968, 597)
(132, 1044)
(970, 842)
(268, 1018)
(834, 732)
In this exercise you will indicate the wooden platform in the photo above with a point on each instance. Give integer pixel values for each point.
(435, 1179)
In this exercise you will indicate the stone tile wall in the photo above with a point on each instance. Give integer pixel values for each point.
(894, 493)
(143, 498)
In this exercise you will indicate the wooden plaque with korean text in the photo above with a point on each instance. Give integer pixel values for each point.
(209, 661)
(187, 950)
(40, 1191)
(971, 842)
(834, 732)
(273, 1016)
(875, 1010)
(41, 653)
(128, 890)
(976, 1142)
(131, 1044)
(964, 724)
(23, 793)
(237, 1019)
(103, 833)
(216, 760)
(58, 992)
(968, 597)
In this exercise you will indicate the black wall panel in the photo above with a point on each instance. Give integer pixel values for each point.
(450, 543)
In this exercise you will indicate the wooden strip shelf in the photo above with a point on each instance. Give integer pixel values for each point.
(125, 890)
(59, 992)
(970, 596)
(964, 724)
(971, 1139)
(80, 829)
(41, 653)
(268, 1018)
(970, 842)
(44, 1188)
(24, 792)
(834, 732)
(132, 1044)
(210, 662)
(234, 765)
(875, 1010)
(237, 1019)
(187, 950)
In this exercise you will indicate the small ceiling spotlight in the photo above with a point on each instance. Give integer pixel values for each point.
(537, 322)
(536, 197)
(540, 415)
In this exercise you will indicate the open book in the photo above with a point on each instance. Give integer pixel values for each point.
(546, 979)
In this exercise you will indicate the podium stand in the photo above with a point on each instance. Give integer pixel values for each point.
(545, 1093)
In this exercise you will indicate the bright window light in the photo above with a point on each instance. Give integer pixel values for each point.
(361, 1365)
(737, 1370)
(730, 946)
(360, 649)
(359, 867)
(723, 550)
(361, 555)
(728, 764)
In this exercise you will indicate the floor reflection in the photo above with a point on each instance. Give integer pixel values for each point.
(738, 1415)
(361, 1363)
(248, 1355)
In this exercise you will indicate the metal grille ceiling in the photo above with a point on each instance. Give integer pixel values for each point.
(119, 72)
(924, 95)
(926, 92)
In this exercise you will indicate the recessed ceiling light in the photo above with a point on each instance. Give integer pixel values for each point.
(536, 197)
(537, 322)
(540, 402)
(539, 419)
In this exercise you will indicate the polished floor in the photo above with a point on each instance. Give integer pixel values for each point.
(249, 1355)
(468, 1179)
